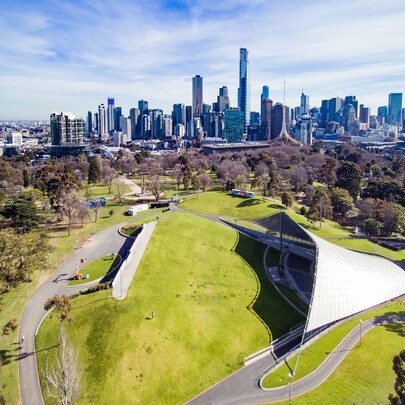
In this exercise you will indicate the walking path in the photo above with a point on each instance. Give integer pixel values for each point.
(242, 387)
(126, 272)
(103, 243)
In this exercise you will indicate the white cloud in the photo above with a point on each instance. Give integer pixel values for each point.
(78, 53)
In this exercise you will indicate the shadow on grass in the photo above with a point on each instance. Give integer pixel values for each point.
(269, 307)
(250, 202)
(392, 322)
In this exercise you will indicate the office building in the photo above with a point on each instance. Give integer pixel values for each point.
(334, 106)
(304, 105)
(223, 102)
(134, 114)
(277, 113)
(244, 86)
(394, 109)
(265, 118)
(353, 101)
(117, 118)
(102, 121)
(66, 129)
(110, 114)
(364, 115)
(179, 114)
(265, 93)
(143, 106)
(234, 120)
(197, 96)
(89, 126)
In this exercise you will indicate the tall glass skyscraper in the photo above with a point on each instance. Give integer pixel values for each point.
(197, 96)
(110, 113)
(244, 85)
(394, 108)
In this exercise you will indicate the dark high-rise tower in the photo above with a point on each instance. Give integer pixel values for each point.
(143, 106)
(244, 87)
(197, 96)
(394, 108)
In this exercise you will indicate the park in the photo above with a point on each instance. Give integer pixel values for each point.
(214, 306)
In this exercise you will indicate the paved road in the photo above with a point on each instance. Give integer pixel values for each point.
(103, 243)
(242, 387)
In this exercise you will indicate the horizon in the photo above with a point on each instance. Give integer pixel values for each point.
(151, 51)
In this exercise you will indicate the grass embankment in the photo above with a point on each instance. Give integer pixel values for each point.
(213, 305)
(14, 302)
(317, 352)
(97, 269)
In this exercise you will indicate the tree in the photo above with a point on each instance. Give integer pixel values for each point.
(26, 178)
(71, 205)
(120, 187)
(62, 305)
(320, 207)
(94, 174)
(372, 227)
(83, 213)
(21, 255)
(109, 174)
(23, 214)
(398, 365)
(349, 177)
(154, 184)
(341, 201)
(64, 378)
(205, 180)
(286, 200)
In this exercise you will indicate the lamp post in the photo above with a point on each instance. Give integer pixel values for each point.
(361, 321)
(290, 376)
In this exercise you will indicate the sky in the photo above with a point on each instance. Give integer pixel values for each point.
(71, 55)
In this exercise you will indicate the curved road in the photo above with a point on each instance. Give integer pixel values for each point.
(242, 387)
(103, 243)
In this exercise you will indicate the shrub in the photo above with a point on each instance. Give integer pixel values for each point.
(303, 210)
(111, 213)
(10, 326)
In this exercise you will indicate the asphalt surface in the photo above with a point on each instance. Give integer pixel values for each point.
(242, 387)
(103, 243)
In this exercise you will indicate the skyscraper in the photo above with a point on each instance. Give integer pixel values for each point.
(334, 106)
(110, 114)
(89, 122)
(143, 106)
(102, 121)
(265, 115)
(244, 86)
(197, 96)
(134, 114)
(117, 119)
(223, 99)
(233, 125)
(265, 93)
(179, 114)
(277, 118)
(394, 108)
(304, 106)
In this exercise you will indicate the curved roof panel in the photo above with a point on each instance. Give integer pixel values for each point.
(348, 282)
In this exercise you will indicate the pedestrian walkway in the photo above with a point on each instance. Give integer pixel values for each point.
(126, 273)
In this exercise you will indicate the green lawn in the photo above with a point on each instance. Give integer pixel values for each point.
(214, 306)
(316, 353)
(365, 376)
(96, 269)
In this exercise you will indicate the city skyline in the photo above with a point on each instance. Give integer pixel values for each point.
(72, 56)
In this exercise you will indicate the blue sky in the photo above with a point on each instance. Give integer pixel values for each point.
(72, 55)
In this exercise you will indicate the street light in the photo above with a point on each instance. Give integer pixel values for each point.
(290, 376)
(361, 321)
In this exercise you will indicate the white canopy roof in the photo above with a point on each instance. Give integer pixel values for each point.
(347, 282)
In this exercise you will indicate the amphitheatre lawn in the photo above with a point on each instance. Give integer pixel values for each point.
(213, 306)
